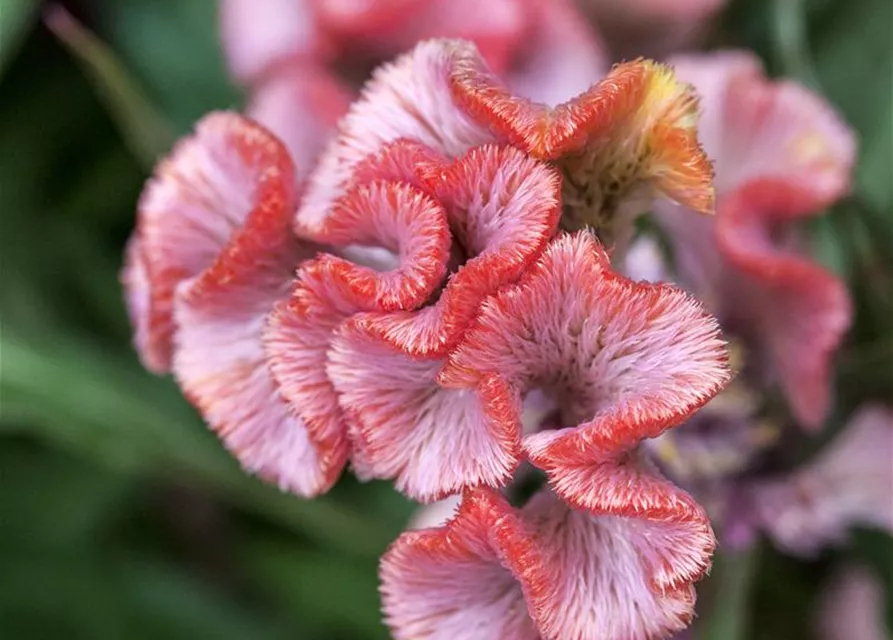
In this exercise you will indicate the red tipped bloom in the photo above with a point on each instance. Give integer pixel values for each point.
(631, 134)
(214, 252)
(625, 140)
(623, 361)
(781, 155)
(493, 572)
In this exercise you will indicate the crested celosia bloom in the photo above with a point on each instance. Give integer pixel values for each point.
(444, 268)
(780, 155)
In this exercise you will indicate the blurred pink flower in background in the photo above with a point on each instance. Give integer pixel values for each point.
(851, 607)
(300, 60)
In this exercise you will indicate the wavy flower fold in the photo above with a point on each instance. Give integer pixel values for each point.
(400, 312)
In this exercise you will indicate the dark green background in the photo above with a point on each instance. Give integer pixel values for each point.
(121, 516)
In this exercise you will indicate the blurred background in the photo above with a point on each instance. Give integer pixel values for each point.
(121, 516)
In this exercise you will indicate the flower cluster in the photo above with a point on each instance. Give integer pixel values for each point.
(447, 290)
(780, 155)
(454, 324)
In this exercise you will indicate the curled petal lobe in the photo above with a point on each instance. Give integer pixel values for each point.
(393, 216)
(402, 220)
(198, 197)
(847, 485)
(296, 337)
(804, 311)
(503, 208)
(219, 359)
(467, 579)
(629, 135)
(403, 160)
(545, 571)
(408, 98)
(623, 360)
(615, 578)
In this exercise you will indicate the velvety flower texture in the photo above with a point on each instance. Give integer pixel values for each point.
(400, 313)
(781, 155)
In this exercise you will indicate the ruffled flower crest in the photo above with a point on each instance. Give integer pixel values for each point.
(211, 254)
(781, 155)
(626, 139)
(400, 314)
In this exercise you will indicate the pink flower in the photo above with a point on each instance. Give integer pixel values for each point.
(625, 140)
(849, 483)
(547, 571)
(851, 607)
(211, 254)
(433, 293)
(780, 155)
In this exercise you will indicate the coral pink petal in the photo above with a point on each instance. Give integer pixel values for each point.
(619, 577)
(547, 571)
(302, 104)
(409, 98)
(198, 197)
(804, 310)
(393, 216)
(398, 218)
(597, 137)
(466, 580)
(503, 208)
(846, 486)
(296, 338)
(219, 359)
(403, 160)
(563, 56)
(622, 360)
(257, 36)
(431, 441)
(755, 128)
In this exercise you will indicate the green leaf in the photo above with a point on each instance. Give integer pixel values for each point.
(112, 411)
(174, 47)
(16, 19)
(340, 596)
(145, 131)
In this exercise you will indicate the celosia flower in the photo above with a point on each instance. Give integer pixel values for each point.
(434, 293)
(297, 57)
(626, 139)
(213, 250)
(848, 484)
(781, 155)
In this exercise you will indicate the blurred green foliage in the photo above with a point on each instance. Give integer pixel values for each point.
(121, 516)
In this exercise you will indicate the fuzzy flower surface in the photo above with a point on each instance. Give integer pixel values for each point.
(437, 307)
(781, 157)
